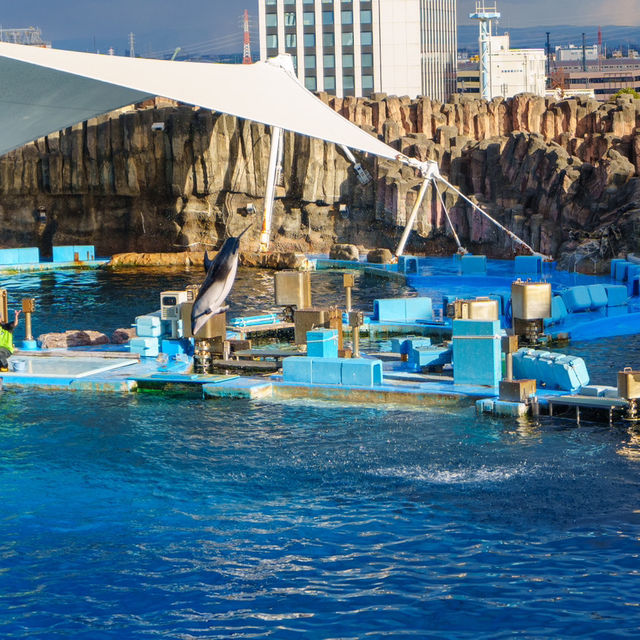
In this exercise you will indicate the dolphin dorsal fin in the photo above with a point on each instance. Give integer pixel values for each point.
(207, 261)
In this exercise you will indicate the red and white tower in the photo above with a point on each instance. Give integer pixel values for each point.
(246, 53)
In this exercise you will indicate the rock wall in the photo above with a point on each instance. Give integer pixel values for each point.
(561, 174)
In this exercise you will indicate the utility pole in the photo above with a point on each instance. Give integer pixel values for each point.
(246, 53)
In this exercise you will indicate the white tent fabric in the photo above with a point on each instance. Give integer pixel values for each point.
(45, 90)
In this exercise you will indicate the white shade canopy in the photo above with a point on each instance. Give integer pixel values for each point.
(45, 90)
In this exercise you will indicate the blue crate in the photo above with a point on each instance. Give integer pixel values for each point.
(614, 264)
(63, 254)
(322, 343)
(326, 370)
(429, 357)
(403, 346)
(149, 326)
(598, 295)
(402, 309)
(470, 265)
(527, 265)
(577, 299)
(551, 370)
(408, 264)
(621, 271)
(360, 372)
(147, 347)
(477, 352)
(297, 369)
(84, 252)
(183, 346)
(420, 308)
(616, 295)
(9, 256)
(29, 255)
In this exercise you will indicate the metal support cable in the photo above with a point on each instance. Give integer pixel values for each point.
(446, 213)
(512, 235)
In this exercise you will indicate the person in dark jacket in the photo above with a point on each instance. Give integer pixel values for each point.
(6, 341)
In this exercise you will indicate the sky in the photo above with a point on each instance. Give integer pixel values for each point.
(214, 26)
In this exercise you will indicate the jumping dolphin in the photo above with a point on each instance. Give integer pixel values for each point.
(221, 273)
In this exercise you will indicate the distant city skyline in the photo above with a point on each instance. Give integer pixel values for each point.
(214, 26)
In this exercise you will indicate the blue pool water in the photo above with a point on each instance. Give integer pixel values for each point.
(172, 517)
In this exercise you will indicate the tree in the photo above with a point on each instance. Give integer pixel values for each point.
(628, 91)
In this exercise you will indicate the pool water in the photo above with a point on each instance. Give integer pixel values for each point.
(173, 517)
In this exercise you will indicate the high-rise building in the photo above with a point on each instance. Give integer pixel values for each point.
(358, 47)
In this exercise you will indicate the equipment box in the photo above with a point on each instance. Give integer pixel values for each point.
(216, 326)
(531, 300)
(517, 390)
(629, 384)
(307, 319)
(293, 289)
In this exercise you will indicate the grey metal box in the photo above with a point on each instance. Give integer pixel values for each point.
(292, 289)
(629, 384)
(531, 300)
(216, 327)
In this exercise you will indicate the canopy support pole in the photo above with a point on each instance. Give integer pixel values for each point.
(412, 218)
(272, 176)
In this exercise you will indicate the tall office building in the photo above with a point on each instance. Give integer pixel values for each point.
(358, 47)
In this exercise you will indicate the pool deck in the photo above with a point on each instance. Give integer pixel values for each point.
(112, 372)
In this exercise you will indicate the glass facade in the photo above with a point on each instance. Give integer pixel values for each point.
(356, 47)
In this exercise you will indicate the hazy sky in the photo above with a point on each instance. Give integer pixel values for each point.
(215, 25)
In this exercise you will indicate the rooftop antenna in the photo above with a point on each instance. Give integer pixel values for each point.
(584, 52)
(548, 58)
(600, 47)
(485, 15)
(246, 53)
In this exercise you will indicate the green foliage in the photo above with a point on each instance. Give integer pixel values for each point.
(628, 91)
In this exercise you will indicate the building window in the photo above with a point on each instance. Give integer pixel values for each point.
(311, 83)
(290, 40)
(272, 42)
(347, 39)
(347, 17)
(310, 62)
(329, 60)
(290, 19)
(347, 61)
(327, 17)
(308, 1)
(271, 20)
(330, 83)
(308, 18)
(310, 40)
(347, 82)
(367, 83)
(270, 2)
(367, 60)
(365, 17)
(366, 38)
(328, 40)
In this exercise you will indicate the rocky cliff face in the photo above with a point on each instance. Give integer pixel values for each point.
(563, 175)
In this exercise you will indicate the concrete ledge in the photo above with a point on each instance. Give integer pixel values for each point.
(241, 388)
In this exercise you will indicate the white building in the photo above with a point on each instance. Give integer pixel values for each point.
(574, 54)
(513, 71)
(358, 47)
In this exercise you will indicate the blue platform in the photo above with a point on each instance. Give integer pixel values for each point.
(476, 352)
